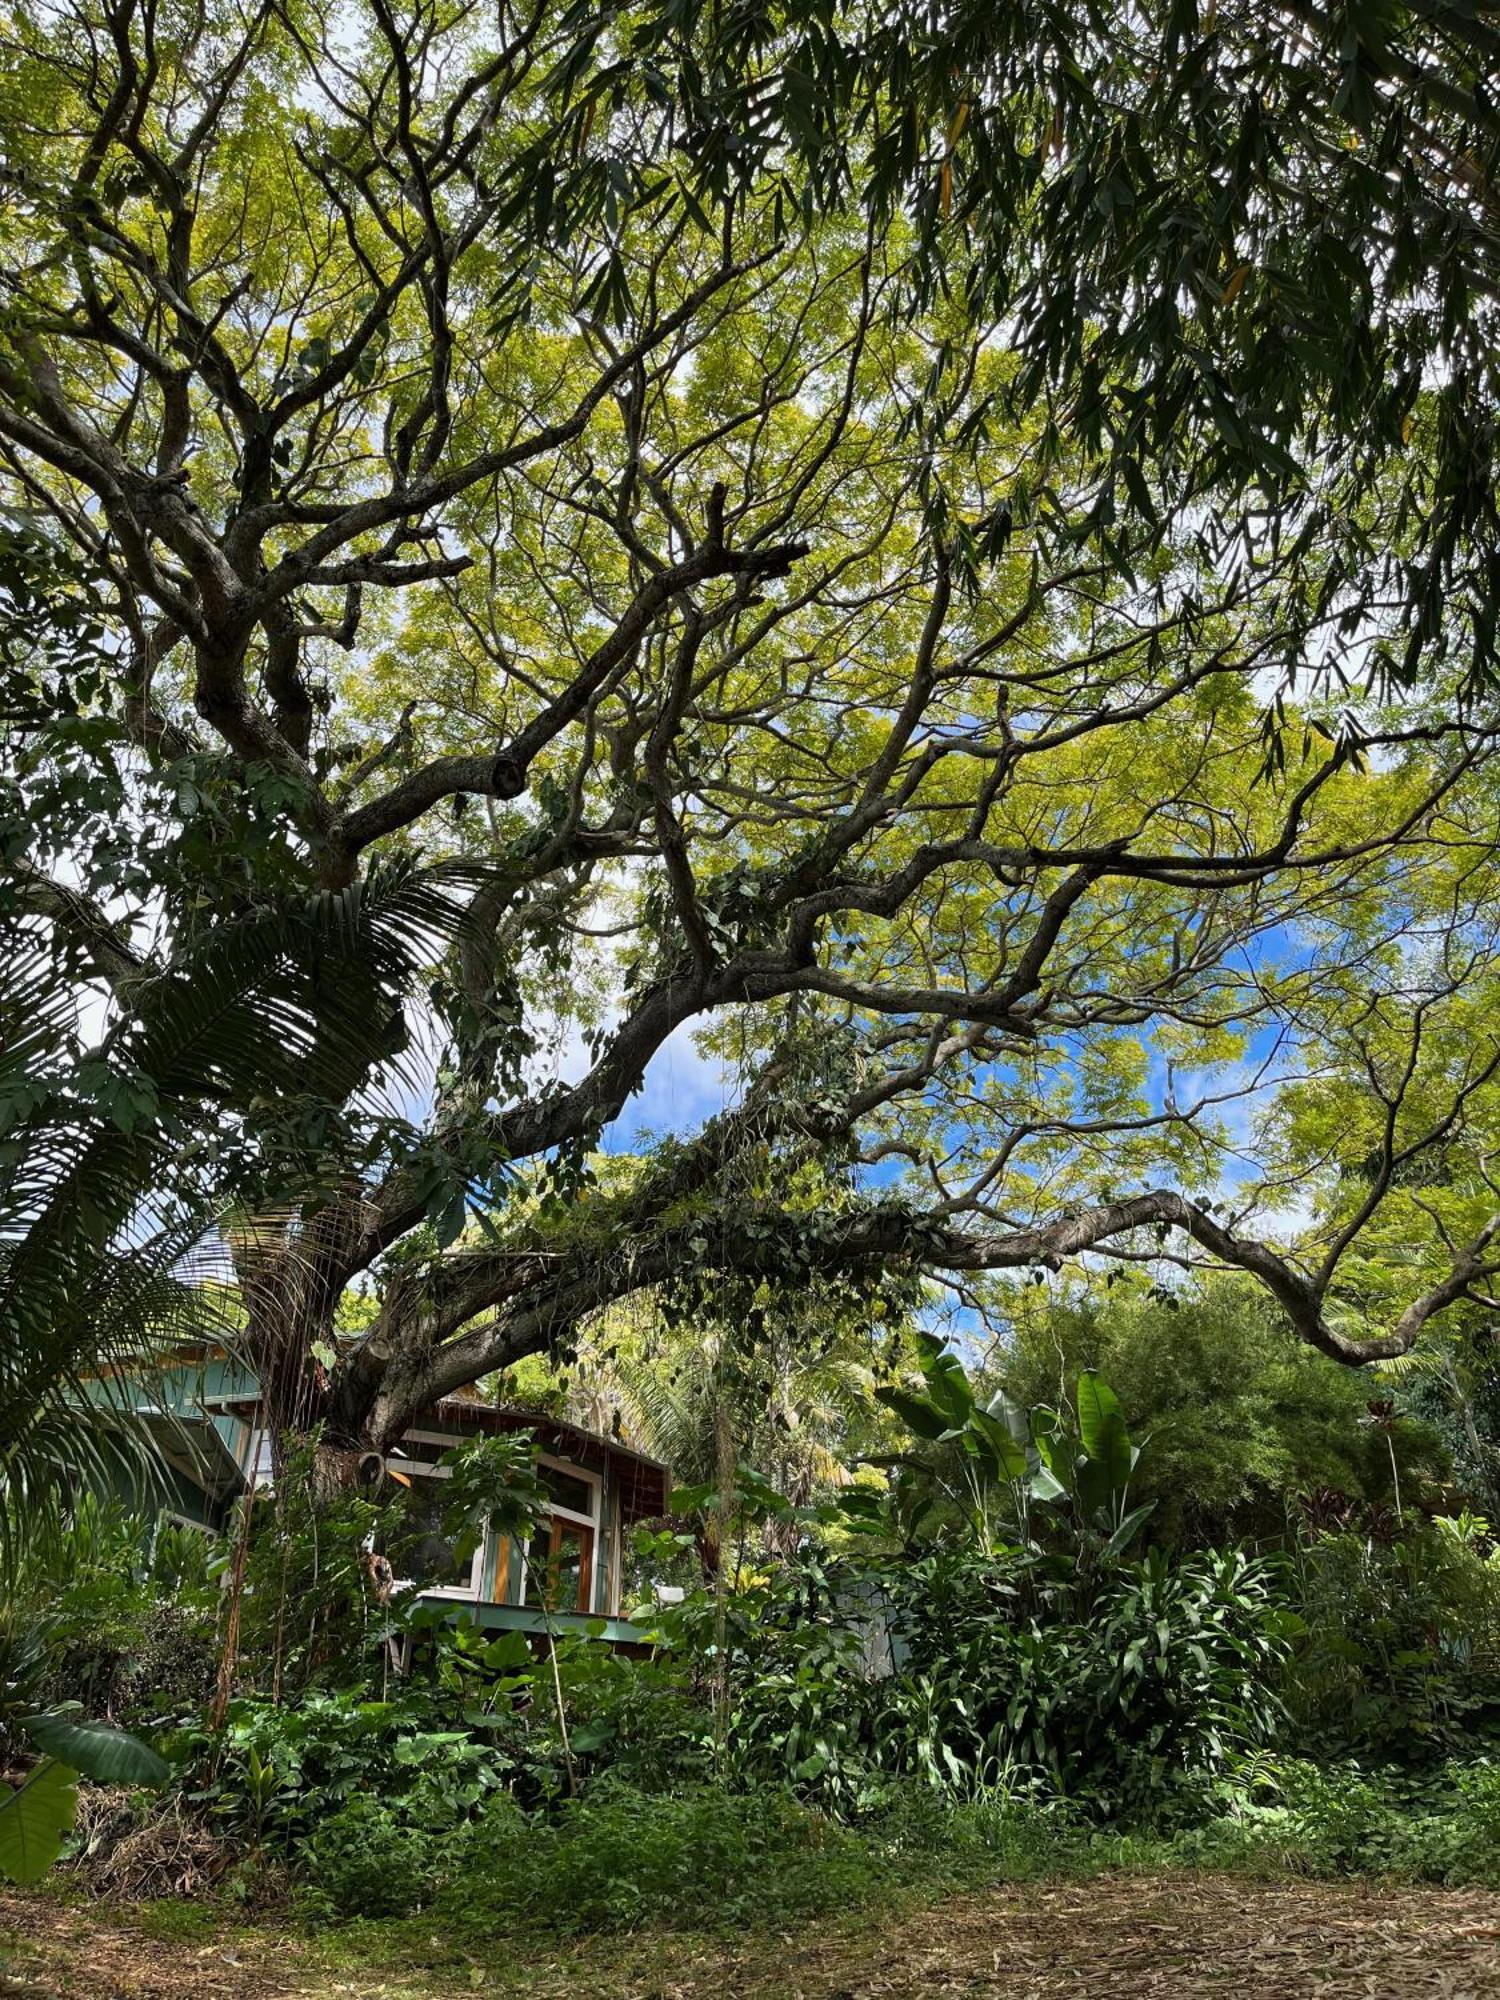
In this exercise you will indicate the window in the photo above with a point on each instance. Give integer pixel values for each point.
(421, 1553)
(255, 1457)
(559, 1565)
(567, 1489)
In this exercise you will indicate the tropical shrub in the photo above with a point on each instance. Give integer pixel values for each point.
(276, 1773)
(120, 1613)
(1239, 1416)
(1125, 1696)
(800, 1715)
(1001, 1473)
(1399, 1648)
(1126, 1686)
(371, 1859)
(609, 1861)
(646, 1721)
(1346, 1818)
(618, 1858)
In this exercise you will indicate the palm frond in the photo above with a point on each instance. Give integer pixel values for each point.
(1419, 1363)
(117, 1164)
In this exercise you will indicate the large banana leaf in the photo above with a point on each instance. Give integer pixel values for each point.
(1010, 1413)
(918, 1413)
(1098, 1411)
(1002, 1456)
(1102, 1427)
(98, 1749)
(1129, 1528)
(947, 1384)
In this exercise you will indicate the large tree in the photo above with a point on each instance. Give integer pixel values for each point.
(437, 482)
(1249, 253)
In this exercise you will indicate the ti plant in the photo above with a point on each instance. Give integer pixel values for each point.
(997, 1463)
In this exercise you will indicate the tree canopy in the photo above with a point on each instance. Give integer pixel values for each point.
(428, 471)
(1247, 255)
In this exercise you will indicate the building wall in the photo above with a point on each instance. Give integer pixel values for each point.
(198, 1395)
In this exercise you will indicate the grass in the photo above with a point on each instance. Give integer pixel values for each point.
(625, 1892)
(1112, 1936)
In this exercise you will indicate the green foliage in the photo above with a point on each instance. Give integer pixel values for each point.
(310, 1617)
(1399, 1649)
(1213, 237)
(48, 1636)
(492, 1481)
(35, 1818)
(276, 1772)
(1442, 1825)
(997, 1464)
(1239, 1416)
(37, 1814)
(1125, 1690)
(370, 1859)
(618, 1858)
(1450, 1380)
(611, 1861)
(111, 1755)
(1128, 1687)
(120, 1614)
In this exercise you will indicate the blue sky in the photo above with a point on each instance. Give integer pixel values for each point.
(681, 1089)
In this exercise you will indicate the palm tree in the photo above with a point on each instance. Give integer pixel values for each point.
(778, 1390)
(224, 1079)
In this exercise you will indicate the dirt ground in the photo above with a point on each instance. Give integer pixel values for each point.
(1118, 1938)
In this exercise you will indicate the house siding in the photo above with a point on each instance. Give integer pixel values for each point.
(209, 1405)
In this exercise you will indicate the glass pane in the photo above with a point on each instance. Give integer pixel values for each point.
(422, 1553)
(567, 1491)
(557, 1565)
(568, 1567)
(538, 1561)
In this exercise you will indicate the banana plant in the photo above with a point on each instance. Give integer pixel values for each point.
(1091, 1468)
(997, 1459)
(974, 1457)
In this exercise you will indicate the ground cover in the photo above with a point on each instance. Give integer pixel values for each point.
(1162, 1934)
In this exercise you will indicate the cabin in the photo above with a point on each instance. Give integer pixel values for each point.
(204, 1415)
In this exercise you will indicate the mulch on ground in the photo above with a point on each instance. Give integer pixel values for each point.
(1170, 1938)
(1117, 1938)
(75, 1950)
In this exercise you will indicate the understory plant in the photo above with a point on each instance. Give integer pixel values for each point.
(1398, 1648)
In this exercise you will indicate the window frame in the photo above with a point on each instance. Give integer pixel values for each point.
(591, 1522)
(471, 1592)
(551, 1525)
